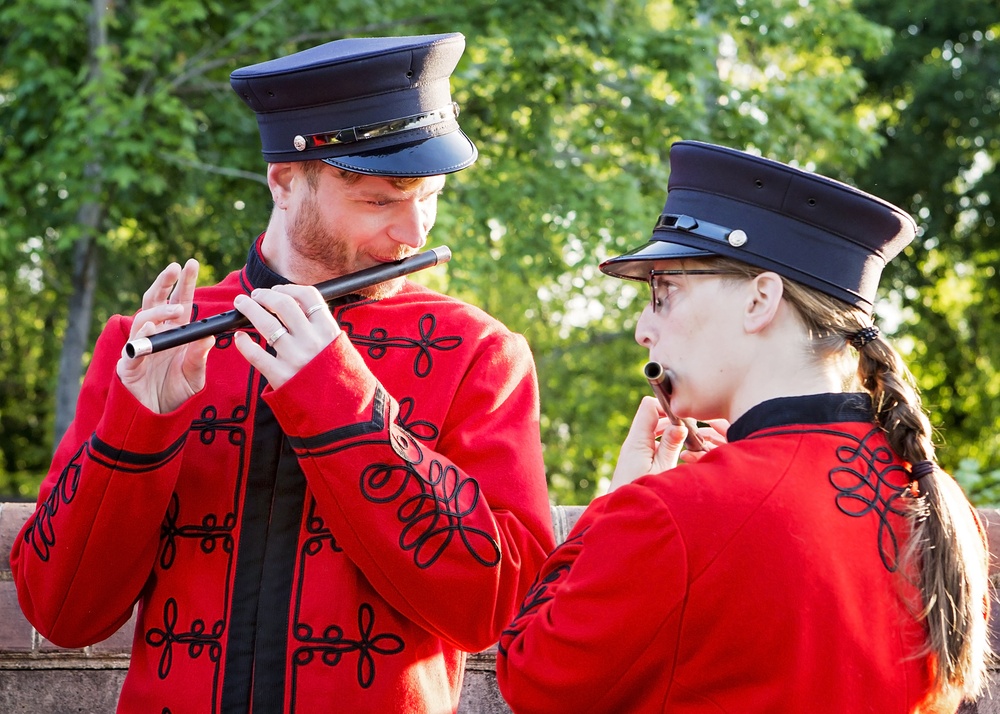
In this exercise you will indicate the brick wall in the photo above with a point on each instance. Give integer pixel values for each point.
(37, 676)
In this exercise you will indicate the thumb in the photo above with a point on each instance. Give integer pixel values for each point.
(195, 360)
(668, 450)
(674, 436)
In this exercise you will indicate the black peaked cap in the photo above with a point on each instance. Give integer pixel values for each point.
(378, 105)
(803, 226)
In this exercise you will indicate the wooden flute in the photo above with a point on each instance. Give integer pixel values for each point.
(659, 380)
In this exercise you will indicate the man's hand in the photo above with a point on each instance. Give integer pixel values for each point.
(162, 381)
(294, 320)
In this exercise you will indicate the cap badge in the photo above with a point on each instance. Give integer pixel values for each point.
(353, 134)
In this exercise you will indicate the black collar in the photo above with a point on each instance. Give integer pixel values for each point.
(810, 409)
(256, 274)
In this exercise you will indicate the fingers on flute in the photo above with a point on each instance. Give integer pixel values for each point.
(305, 296)
(183, 289)
(159, 292)
(673, 437)
(279, 303)
(262, 320)
(150, 320)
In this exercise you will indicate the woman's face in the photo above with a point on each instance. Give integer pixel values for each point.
(693, 327)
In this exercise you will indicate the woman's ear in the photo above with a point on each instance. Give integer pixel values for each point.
(763, 301)
(279, 180)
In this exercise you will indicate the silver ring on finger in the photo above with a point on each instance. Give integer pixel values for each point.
(277, 335)
(314, 309)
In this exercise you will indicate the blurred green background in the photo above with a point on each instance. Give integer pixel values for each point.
(122, 148)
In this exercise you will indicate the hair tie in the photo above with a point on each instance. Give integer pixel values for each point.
(863, 336)
(921, 469)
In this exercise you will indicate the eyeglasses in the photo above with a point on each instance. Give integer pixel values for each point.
(656, 296)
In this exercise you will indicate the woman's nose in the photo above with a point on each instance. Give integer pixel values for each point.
(644, 332)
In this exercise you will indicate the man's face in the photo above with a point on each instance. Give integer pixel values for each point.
(336, 227)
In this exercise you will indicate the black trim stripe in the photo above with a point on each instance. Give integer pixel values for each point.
(380, 407)
(256, 652)
(276, 584)
(130, 461)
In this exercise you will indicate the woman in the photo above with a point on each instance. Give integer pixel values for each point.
(818, 560)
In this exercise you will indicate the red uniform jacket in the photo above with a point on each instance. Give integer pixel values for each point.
(335, 544)
(764, 578)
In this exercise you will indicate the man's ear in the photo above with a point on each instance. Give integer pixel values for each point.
(279, 180)
(763, 301)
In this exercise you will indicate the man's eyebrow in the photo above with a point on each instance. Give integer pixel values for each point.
(380, 196)
(376, 193)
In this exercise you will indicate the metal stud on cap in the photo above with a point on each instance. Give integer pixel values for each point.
(737, 238)
(299, 142)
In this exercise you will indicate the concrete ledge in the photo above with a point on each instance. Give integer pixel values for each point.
(35, 675)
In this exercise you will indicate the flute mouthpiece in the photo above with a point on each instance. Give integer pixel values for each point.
(654, 372)
(138, 347)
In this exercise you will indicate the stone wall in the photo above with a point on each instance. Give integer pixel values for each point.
(37, 676)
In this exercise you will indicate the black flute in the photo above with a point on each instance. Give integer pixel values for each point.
(330, 289)
(659, 380)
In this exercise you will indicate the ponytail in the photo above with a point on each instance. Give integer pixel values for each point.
(947, 545)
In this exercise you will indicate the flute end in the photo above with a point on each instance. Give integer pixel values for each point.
(138, 347)
(443, 254)
(653, 370)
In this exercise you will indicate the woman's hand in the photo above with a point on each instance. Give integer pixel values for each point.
(654, 445)
(712, 435)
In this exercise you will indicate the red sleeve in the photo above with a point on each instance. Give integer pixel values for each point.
(82, 558)
(449, 531)
(615, 584)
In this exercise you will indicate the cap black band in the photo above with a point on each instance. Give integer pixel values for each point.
(353, 134)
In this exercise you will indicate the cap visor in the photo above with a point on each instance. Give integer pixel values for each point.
(636, 264)
(437, 155)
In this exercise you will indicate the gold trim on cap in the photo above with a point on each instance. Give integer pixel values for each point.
(371, 131)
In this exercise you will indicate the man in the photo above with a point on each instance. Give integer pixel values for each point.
(327, 510)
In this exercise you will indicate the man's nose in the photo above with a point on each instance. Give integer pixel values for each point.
(411, 225)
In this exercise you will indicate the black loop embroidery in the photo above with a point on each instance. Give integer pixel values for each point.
(209, 423)
(40, 533)
(319, 533)
(196, 639)
(433, 517)
(863, 488)
(378, 341)
(537, 595)
(423, 430)
(209, 532)
(333, 645)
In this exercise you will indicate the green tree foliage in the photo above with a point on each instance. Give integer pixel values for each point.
(573, 105)
(942, 79)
